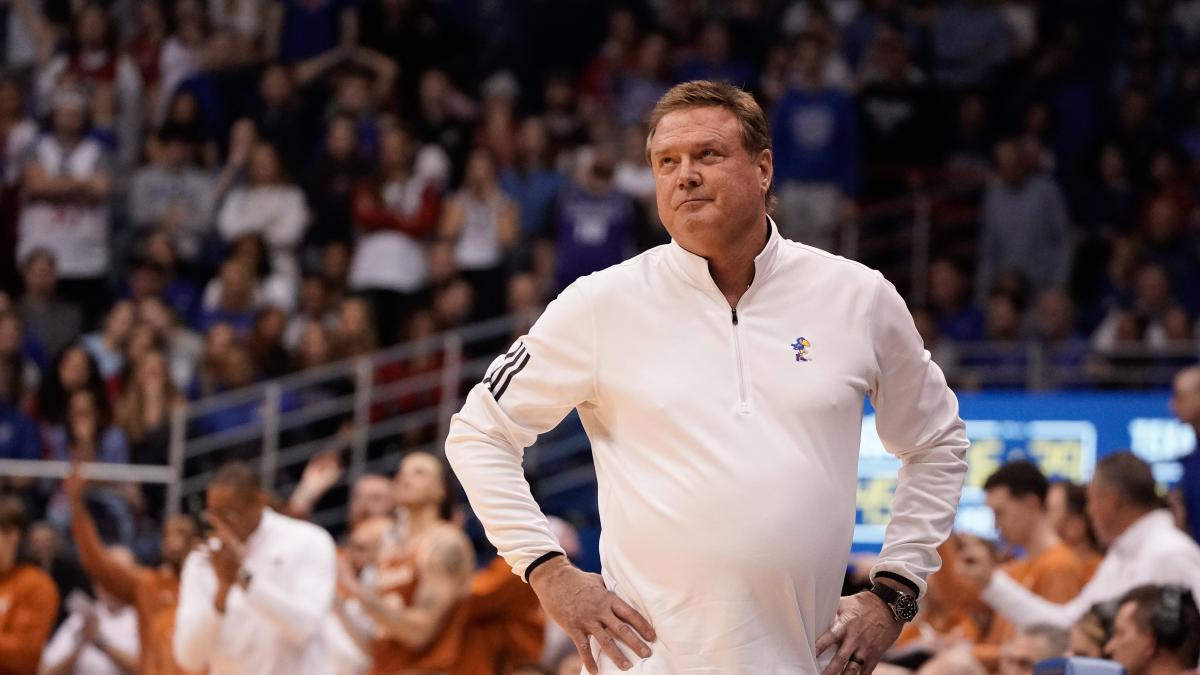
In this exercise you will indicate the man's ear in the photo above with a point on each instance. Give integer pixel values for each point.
(766, 168)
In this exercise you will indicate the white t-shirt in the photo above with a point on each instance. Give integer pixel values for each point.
(76, 232)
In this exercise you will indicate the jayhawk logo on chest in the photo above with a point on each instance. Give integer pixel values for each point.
(802, 345)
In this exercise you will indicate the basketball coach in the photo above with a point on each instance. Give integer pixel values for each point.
(720, 379)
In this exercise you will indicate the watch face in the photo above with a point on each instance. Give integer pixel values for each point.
(906, 608)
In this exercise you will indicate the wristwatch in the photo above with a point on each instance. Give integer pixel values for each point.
(904, 606)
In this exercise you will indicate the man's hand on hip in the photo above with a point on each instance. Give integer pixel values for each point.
(862, 631)
(579, 603)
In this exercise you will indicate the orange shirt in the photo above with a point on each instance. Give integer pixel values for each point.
(498, 627)
(28, 607)
(153, 593)
(1056, 574)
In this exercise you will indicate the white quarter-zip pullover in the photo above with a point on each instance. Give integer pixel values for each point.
(273, 626)
(726, 445)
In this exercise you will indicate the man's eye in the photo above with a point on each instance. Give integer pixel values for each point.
(708, 153)
(665, 161)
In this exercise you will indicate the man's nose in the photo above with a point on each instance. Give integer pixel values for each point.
(689, 174)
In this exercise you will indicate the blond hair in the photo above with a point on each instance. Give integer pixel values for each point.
(756, 133)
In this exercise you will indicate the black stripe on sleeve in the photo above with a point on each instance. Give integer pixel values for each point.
(511, 375)
(512, 361)
(507, 359)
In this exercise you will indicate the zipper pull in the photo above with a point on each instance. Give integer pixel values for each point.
(733, 312)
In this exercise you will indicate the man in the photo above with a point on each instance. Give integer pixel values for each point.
(432, 611)
(1025, 226)
(174, 194)
(98, 638)
(1144, 546)
(1185, 405)
(720, 379)
(66, 186)
(52, 322)
(1030, 646)
(1156, 631)
(1016, 494)
(254, 599)
(421, 579)
(28, 597)
(152, 592)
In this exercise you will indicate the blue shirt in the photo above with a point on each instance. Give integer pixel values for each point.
(18, 435)
(534, 192)
(815, 135)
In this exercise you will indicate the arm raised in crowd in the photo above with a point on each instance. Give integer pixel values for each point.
(446, 563)
(117, 578)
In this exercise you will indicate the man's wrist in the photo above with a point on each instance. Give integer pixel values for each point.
(893, 580)
(545, 566)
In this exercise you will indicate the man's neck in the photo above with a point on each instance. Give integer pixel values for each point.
(1164, 666)
(1043, 539)
(733, 268)
(1126, 520)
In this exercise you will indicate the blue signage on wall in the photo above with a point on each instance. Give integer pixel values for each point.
(1064, 433)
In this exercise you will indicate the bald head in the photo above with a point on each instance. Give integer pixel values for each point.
(371, 496)
(1185, 396)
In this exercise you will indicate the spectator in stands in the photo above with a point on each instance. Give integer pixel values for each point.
(1144, 546)
(313, 308)
(174, 194)
(107, 346)
(99, 637)
(482, 223)
(393, 213)
(533, 182)
(143, 411)
(331, 180)
(234, 305)
(1169, 244)
(73, 370)
(593, 225)
(1066, 509)
(297, 31)
(372, 495)
(950, 302)
(66, 186)
(814, 130)
(18, 432)
(1032, 645)
(348, 630)
(1185, 405)
(52, 323)
(1152, 301)
(1156, 631)
(713, 59)
(442, 118)
(181, 346)
(354, 334)
(641, 86)
(1016, 494)
(269, 206)
(93, 60)
(1025, 226)
(1046, 566)
(151, 591)
(255, 603)
(266, 342)
(27, 595)
(87, 432)
(177, 290)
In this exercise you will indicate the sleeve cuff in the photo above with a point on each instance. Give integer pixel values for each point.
(908, 583)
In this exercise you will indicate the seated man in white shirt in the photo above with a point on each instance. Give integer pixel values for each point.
(98, 638)
(1144, 547)
(254, 599)
(1156, 632)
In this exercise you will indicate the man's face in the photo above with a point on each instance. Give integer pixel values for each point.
(1102, 505)
(419, 481)
(179, 535)
(1022, 653)
(242, 513)
(365, 540)
(1014, 516)
(1185, 397)
(372, 496)
(1129, 645)
(706, 183)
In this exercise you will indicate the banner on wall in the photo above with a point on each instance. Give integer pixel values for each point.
(1063, 433)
